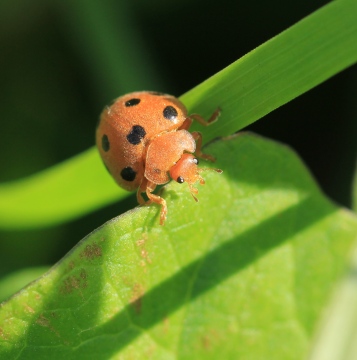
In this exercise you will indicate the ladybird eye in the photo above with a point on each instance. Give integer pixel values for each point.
(195, 160)
(180, 180)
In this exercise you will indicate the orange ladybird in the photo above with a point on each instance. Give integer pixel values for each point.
(143, 138)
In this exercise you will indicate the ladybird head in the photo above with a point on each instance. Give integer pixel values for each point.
(186, 170)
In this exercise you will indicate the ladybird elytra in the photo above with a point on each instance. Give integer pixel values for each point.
(143, 140)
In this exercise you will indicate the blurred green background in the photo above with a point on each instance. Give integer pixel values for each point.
(62, 61)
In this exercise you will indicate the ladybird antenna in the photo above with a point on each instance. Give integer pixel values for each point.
(219, 171)
(193, 191)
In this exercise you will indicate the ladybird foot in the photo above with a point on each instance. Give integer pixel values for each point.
(163, 215)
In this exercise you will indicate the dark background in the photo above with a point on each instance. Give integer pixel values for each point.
(62, 61)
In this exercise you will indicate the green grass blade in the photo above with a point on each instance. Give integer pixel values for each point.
(288, 65)
(243, 274)
(58, 194)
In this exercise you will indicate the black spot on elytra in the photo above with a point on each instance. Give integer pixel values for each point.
(170, 113)
(128, 174)
(136, 134)
(132, 102)
(105, 143)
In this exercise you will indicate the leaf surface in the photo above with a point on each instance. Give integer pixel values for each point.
(244, 273)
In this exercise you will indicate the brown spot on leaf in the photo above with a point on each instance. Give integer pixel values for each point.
(83, 274)
(3, 335)
(91, 251)
(166, 325)
(136, 299)
(29, 309)
(43, 321)
(125, 280)
(211, 339)
(143, 252)
(74, 282)
(206, 342)
(149, 351)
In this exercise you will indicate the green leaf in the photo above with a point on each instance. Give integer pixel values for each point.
(18, 279)
(301, 57)
(337, 337)
(286, 66)
(244, 274)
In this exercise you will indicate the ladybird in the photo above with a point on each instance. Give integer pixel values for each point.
(143, 140)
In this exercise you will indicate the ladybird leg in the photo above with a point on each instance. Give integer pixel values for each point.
(198, 137)
(158, 200)
(204, 122)
(188, 122)
(142, 188)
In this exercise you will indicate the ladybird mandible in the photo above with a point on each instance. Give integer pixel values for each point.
(144, 141)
